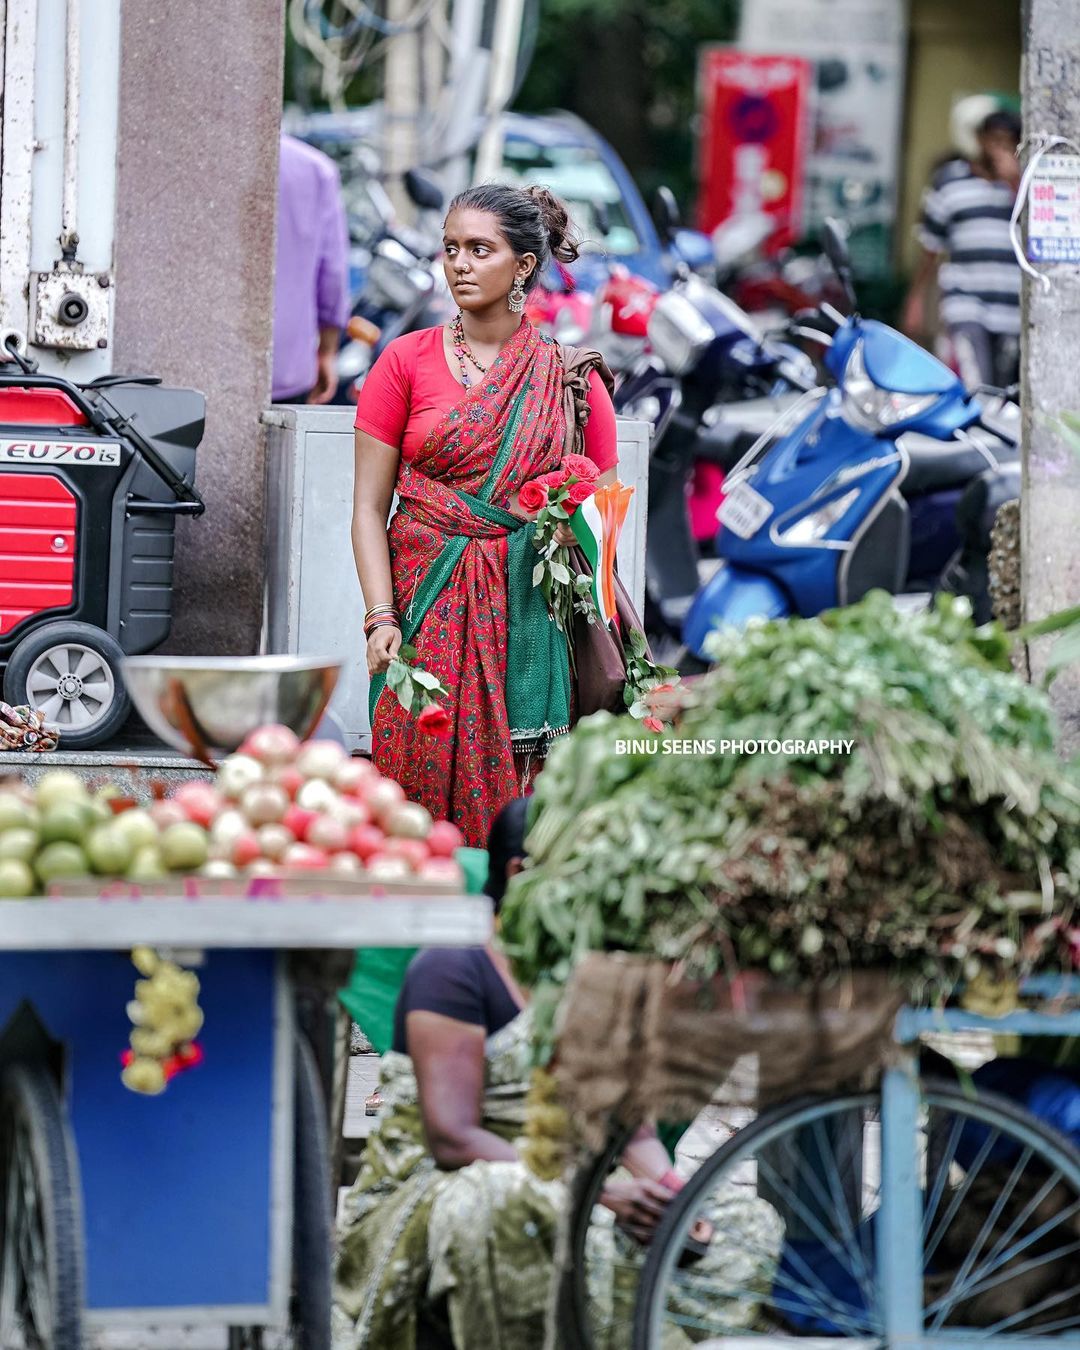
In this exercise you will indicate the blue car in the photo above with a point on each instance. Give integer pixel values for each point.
(566, 155)
(558, 150)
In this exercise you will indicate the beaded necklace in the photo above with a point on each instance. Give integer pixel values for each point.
(463, 350)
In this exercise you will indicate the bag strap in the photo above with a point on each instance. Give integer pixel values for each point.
(578, 362)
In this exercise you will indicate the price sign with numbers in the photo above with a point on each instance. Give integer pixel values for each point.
(1054, 211)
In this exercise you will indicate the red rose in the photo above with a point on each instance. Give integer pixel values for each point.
(652, 724)
(554, 480)
(433, 719)
(581, 467)
(532, 497)
(580, 492)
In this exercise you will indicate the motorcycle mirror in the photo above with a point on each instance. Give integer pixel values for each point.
(424, 191)
(834, 240)
(665, 212)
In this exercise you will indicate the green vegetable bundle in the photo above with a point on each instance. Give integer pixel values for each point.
(945, 845)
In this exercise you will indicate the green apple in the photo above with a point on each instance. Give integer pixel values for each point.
(63, 823)
(16, 879)
(59, 786)
(147, 866)
(97, 811)
(15, 813)
(60, 861)
(138, 828)
(184, 846)
(110, 851)
(20, 844)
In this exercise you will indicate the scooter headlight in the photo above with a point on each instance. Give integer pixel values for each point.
(872, 408)
(816, 524)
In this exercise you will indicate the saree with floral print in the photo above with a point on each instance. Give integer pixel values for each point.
(462, 570)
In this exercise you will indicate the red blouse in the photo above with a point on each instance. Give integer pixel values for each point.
(410, 388)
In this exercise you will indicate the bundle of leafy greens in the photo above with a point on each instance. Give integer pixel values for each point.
(944, 846)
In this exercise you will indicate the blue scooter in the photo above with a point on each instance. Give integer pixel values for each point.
(856, 488)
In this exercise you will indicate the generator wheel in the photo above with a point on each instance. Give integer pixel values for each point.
(71, 673)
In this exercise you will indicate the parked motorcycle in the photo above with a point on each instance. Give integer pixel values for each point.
(856, 487)
(709, 385)
(403, 288)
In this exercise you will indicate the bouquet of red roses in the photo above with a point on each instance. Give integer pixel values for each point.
(554, 498)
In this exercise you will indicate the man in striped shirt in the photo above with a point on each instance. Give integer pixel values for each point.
(964, 232)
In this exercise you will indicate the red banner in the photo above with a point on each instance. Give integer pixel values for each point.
(754, 139)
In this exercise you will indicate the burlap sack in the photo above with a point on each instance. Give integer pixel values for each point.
(636, 1043)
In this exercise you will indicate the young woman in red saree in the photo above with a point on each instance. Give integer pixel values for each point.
(455, 420)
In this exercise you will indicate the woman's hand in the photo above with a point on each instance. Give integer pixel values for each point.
(638, 1205)
(382, 647)
(564, 535)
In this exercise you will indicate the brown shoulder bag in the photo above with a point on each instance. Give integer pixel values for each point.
(598, 650)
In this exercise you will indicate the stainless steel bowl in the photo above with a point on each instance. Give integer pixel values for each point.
(206, 706)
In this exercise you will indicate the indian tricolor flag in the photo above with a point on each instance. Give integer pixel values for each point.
(597, 524)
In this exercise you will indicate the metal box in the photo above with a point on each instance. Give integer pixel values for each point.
(314, 605)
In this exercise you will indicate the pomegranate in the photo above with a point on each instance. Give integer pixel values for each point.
(320, 759)
(385, 868)
(414, 851)
(274, 840)
(218, 869)
(245, 849)
(201, 802)
(345, 865)
(272, 744)
(316, 795)
(289, 778)
(264, 803)
(444, 839)
(408, 820)
(328, 834)
(442, 870)
(297, 820)
(366, 840)
(350, 812)
(166, 813)
(227, 826)
(353, 774)
(304, 856)
(383, 796)
(237, 772)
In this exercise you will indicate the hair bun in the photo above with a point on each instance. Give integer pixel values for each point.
(562, 238)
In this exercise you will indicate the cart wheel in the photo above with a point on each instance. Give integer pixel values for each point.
(41, 1241)
(309, 1309)
(573, 1317)
(312, 1216)
(71, 673)
(794, 1199)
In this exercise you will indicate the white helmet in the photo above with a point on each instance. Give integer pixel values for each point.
(967, 115)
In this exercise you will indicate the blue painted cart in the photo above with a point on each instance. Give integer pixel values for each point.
(211, 1203)
(933, 1212)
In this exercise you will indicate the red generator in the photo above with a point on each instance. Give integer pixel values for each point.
(92, 478)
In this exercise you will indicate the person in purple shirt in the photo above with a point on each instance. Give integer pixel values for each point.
(311, 291)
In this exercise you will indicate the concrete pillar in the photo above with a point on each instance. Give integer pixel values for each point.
(1050, 510)
(200, 110)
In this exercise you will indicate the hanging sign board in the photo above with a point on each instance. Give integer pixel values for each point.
(1054, 210)
(754, 139)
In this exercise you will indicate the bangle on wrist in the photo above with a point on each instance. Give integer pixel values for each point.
(388, 622)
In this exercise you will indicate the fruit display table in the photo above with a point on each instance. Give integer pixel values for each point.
(207, 1204)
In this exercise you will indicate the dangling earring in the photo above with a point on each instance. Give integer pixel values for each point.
(516, 298)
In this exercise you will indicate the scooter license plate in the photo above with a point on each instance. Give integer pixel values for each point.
(744, 511)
